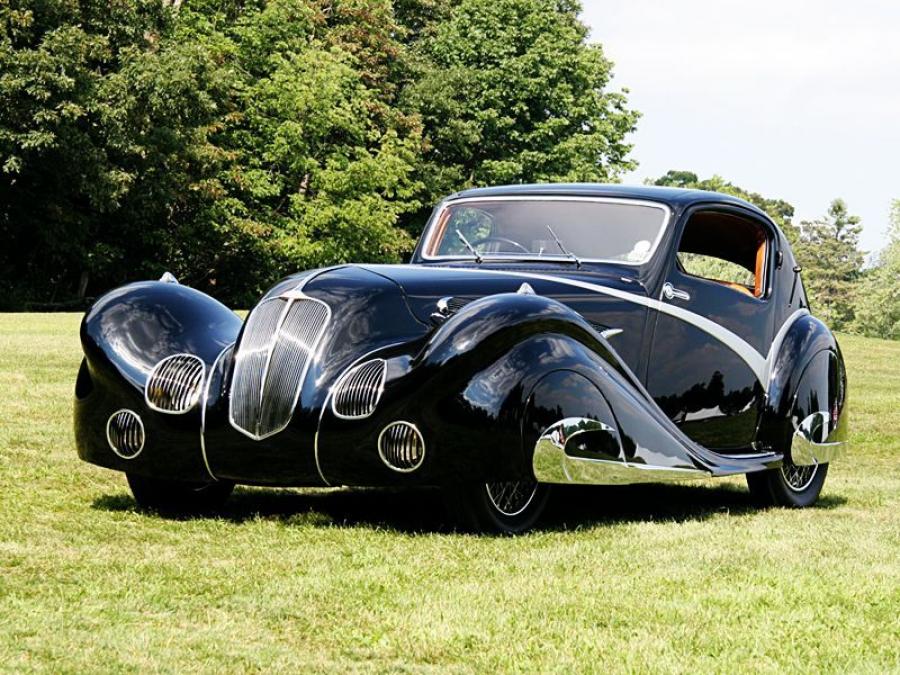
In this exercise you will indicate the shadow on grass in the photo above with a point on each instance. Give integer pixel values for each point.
(422, 510)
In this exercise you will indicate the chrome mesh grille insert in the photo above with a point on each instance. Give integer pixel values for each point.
(401, 447)
(358, 391)
(175, 384)
(125, 433)
(271, 361)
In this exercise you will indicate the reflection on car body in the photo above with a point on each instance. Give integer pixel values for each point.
(541, 334)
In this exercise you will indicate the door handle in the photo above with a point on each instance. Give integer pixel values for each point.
(670, 293)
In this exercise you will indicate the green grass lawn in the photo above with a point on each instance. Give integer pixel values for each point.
(652, 578)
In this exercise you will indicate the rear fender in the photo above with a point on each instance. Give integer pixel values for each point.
(806, 413)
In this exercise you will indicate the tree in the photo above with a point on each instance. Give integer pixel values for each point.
(877, 301)
(233, 142)
(831, 260)
(510, 91)
(322, 160)
(58, 180)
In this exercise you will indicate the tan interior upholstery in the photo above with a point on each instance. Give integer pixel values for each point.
(438, 233)
(760, 272)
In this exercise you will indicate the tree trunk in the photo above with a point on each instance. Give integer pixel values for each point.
(83, 283)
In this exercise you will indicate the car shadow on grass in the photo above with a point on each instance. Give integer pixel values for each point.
(423, 511)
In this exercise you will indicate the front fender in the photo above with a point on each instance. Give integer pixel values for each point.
(486, 385)
(124, 336)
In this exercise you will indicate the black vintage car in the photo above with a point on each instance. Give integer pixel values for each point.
(541, 334)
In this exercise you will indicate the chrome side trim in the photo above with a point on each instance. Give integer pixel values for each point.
(755, 360)
(777, 341)
(551, 463)
(812, 441)
(204, 402)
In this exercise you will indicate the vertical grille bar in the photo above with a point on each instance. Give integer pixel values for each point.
(297, 339)
(250, 364)
(272, 358)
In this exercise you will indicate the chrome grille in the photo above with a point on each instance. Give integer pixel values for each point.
(271, 361)
(358, 391)
(175, 383)
(125, 434)
(401, 447)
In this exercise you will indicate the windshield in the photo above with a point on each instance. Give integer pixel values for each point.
(620, 231)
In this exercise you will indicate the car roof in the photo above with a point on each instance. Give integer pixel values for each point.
(674, 197)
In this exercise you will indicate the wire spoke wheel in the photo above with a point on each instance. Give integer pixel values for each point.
(798, 478)
(512, 497)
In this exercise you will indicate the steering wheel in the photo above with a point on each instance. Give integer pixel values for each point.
(501, 240)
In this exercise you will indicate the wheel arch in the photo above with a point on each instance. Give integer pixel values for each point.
(808, 386)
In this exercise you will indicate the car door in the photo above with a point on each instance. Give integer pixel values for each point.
(713, 327)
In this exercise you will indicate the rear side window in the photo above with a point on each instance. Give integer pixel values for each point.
(726, 249)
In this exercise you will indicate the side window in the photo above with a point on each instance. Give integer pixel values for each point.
(727, 249)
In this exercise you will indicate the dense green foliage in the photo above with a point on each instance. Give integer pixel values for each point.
(845, 293)
(232, 142)
(685, 578)
(877, 295)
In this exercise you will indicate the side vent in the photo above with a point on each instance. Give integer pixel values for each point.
(358, 391)
(125, 433)
(175, 384)
(401, 447)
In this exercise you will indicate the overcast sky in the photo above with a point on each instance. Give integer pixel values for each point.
(797, 99)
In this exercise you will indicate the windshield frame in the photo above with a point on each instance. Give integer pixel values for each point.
(431, 231)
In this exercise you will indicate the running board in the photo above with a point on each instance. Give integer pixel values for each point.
(578, 450)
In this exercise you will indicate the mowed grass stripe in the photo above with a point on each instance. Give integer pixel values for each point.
(649, 578)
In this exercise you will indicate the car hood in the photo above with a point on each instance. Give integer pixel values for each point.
(424, 285)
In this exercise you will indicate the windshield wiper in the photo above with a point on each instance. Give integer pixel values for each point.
(469, 246)
(563, 248)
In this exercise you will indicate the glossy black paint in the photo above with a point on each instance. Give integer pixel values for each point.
(482, 383)
(700, 383)
(124, 335)
(808, 376)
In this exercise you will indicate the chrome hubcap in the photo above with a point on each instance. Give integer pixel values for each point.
(798, 478)
(512, 497)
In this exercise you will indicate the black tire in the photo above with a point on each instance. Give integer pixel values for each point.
(497, 508)
(789, 485)
(172, 497)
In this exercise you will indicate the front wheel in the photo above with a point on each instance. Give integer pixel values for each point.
(177, 497)
(789, 485)
(507, 507)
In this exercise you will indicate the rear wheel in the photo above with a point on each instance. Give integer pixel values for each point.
(178, 497)
(789, 485)
(503, 507)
